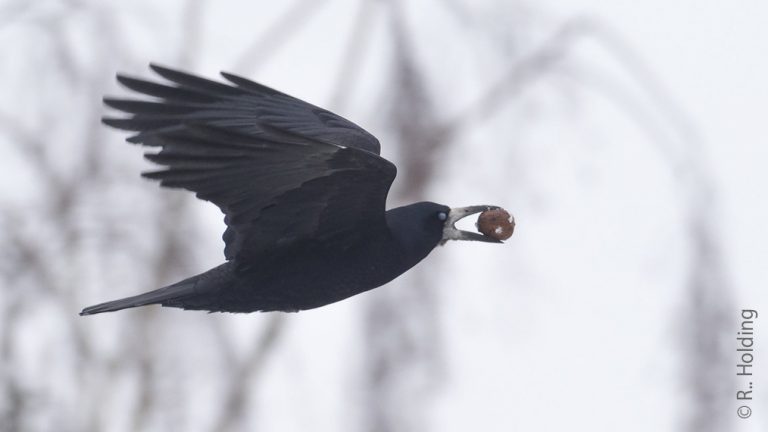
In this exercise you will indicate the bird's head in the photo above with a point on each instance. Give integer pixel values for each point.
(422, 226)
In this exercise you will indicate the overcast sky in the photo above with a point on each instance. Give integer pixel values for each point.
(578, 321)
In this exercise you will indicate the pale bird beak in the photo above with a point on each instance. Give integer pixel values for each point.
(450, 232)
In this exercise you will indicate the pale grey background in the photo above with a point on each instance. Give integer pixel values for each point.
(628, 138)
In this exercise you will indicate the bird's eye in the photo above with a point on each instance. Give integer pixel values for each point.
(442, 216)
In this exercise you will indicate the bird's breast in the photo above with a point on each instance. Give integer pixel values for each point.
(311, 277)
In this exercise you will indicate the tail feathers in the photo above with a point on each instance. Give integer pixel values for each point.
(171, 292)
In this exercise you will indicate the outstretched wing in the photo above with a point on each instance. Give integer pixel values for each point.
(280, 169)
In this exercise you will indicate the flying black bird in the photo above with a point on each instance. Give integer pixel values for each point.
(303, 192)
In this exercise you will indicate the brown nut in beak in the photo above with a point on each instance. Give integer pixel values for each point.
(496, 223)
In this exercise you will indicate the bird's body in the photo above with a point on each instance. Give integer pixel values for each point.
(303, 192)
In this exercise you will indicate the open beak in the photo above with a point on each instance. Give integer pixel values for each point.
(450, 232)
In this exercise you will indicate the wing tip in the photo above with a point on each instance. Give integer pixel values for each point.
(229, 76)
(113, 102)
(159, 69)
(117, 123)
(122, 78)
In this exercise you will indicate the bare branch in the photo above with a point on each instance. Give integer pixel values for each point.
(28, 144)
(402, 328)
(249, 370)
(519, 75)
(349, 70)
(707, 281)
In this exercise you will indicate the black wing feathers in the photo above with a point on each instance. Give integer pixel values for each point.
(170, 93)
(280, 169)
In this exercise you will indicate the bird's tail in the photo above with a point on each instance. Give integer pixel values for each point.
(171, 292)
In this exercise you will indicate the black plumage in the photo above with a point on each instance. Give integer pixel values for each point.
(303, 192)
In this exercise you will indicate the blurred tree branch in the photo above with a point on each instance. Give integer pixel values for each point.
(402, 331)
(349, 69)
(242, 377)
(681, 146)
